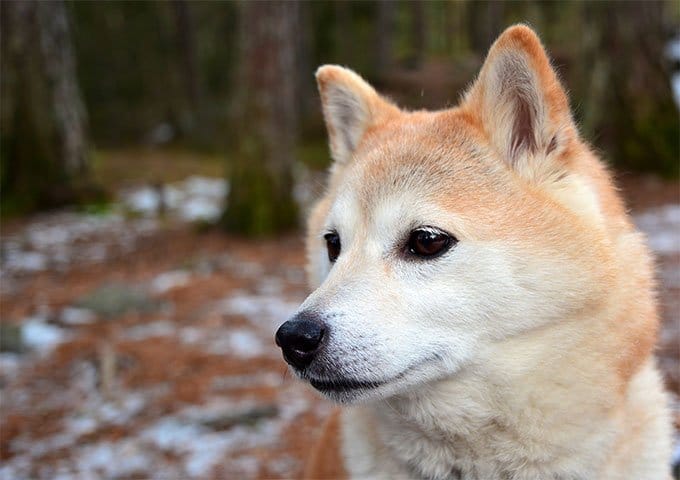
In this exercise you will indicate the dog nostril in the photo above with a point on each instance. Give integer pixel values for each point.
(300, 339)
(309, 339)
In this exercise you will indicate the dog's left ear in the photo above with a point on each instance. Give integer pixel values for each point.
(518, 100)
(350, 107)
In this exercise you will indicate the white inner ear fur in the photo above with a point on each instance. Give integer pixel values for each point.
(347, 116)
(513, 108)
(515, 114)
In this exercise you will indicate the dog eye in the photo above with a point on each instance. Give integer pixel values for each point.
(429, 242)
(332, 245)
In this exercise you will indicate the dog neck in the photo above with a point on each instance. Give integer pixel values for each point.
(508, 408)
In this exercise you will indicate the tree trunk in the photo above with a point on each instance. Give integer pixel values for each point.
(43, 123)
(189, 73)
(60, 69)
(261, 168)
(485, 23)
(384, 42)
(418, 30)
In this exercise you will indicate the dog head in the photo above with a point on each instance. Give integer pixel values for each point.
(445, 233)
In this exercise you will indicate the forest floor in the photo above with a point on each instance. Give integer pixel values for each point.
(139, 347)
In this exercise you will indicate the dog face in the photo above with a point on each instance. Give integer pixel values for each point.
(444, 234)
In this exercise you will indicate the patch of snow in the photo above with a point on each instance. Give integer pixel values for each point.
(41, 336)
(263, 379)
(145, 200)
(169, 280)
(205, 186)
(162, 328)
(113, 460)
(172, 434)
(121, 411)
(203, 449)
(43, 446)
(9, 364)
(190, 335)
(673, 49)
(282, 466)
(26, 261)
(16, 468)
(194, 199)
(57, 240)
(76, 316)
(238, 342)
(81, 425)
(263, 310)
(200, 209)
(662, 227)
(292, 405)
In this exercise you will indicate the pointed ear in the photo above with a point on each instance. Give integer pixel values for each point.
(520, 103)
(350, 106)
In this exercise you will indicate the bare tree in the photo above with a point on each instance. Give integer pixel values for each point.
(261, 167)
(418, 33)
(384, 41)
(185, 40)
(43, 121)
(60, 69)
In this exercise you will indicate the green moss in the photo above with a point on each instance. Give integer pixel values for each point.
(259, 204)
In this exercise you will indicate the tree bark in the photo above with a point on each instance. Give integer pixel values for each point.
(43, 122)
(261, 168)
(384, 42)
(60, 69)
(418, 35)
(189, 72)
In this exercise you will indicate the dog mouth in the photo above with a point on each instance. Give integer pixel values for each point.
(344, 385)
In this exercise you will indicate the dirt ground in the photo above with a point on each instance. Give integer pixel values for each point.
(156, 358)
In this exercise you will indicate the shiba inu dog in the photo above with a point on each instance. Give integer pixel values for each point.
(482, 301)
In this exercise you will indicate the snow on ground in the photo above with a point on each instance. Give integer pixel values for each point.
(41, 336)
(662, 227)
(169, 280)
(217, 437)
(194, 199)
(55, 241)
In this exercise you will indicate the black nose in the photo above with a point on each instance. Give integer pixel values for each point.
(300, 338)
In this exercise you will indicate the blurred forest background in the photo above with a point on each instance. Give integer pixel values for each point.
(235, 81)
(157, 159)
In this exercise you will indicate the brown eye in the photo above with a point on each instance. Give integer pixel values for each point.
(333, 246)
(429, 242)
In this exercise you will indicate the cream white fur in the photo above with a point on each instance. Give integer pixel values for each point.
(493, 355)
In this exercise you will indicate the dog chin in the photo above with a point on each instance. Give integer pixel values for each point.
(349, 392)
(348, 389)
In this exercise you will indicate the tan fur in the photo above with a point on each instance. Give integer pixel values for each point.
(577, 389)
(325, 460)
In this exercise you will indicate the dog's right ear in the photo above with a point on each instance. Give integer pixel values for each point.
(350, 107)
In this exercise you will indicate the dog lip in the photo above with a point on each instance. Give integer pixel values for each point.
(348, 384)
(344, 384)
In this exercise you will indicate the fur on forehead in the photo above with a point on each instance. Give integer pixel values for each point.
(430, 152)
